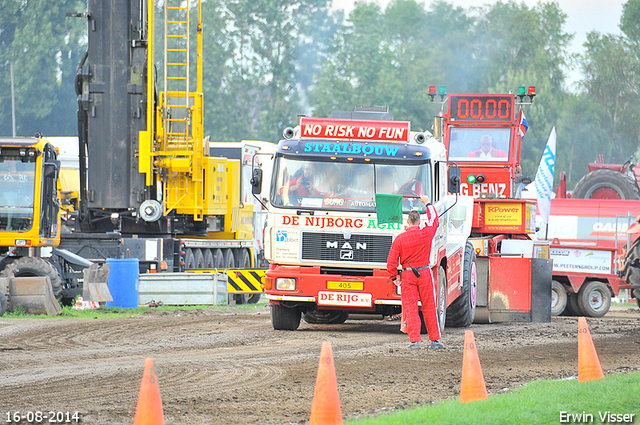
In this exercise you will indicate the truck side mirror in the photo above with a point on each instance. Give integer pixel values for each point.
(454, 179)
(51, 169)
(256, 181)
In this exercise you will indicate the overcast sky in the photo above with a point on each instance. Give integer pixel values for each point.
(583, 16)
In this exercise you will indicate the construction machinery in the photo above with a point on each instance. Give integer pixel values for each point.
(148, 187)
(29, 224)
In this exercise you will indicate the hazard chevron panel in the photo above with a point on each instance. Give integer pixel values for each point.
(241, 281)
(245, 280)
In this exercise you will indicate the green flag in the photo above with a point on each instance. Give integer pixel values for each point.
(389, 208)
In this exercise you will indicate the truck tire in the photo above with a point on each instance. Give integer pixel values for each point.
(244, 259)
(189, 260)
(325, 317)
(254, 297)
(462, 311)
(594, 298)
(606, 184)
(218, 259)
(3, 304)
(209, 262)
(572, 308)
(284, 318)
(229, 260)
(199, 259)
(34, 266)
(558, 298)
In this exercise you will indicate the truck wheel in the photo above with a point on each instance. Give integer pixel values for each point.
(199, 259)
(218, 259)
(34, 266)
(208, 260)
(229, 260)
(606, 184)
(285, 319)
(189, 260)
(325, 317)
(3, 304)
(572, 308)
(462, 312)
(558, 298)
(594, 298)
(254, 297)
(244, 259)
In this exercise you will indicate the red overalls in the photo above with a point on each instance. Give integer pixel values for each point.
(413, 248)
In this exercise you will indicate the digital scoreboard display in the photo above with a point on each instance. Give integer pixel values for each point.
(496, 108)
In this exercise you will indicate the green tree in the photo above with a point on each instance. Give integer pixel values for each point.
(257, 50)
(610, 67)
(45, 48)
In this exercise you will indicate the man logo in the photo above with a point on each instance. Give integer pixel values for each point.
(347, 245)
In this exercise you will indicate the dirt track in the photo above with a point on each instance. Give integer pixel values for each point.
(230, 367)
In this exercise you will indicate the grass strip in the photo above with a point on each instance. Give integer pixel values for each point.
(539, 402)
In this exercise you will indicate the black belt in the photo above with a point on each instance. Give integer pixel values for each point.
(415, 268)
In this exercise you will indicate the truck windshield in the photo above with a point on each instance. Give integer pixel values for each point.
(347, 186)
(479, 144)
(17, 189)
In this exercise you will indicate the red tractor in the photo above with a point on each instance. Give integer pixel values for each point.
(609, 181)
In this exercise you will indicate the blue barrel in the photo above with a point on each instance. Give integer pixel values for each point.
(123, 281)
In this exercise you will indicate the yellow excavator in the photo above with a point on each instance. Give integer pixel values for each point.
(29, 225)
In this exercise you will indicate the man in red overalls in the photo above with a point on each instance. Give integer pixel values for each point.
(413, 248)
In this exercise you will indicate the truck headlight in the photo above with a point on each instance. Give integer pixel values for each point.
(285, 284)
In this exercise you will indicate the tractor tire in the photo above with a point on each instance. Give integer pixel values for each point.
(594, 298)
(606, 184)
(34, 266)
(462, 311)
(325, 317)
(558, 298)
(3, 304)
(285, 319)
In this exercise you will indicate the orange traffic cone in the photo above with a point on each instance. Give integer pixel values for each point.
(588, 363)
(472, 386)
(149, 408)
(325, 409)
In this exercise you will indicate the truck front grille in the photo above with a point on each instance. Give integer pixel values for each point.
(358, 248)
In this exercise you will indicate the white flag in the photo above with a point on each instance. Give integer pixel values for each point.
(544, 177)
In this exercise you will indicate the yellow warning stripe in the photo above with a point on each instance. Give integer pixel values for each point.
(242, 281)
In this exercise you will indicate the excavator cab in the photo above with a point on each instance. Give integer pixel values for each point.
(29, 221)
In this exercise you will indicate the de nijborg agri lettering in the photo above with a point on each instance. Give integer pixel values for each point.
(350, 148)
